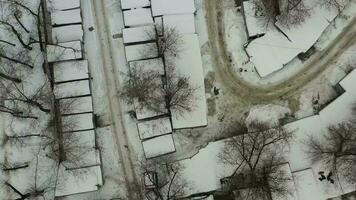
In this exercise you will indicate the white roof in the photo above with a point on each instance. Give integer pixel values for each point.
(70, 70)
(89, 155)
(140, 51)
(145, 113)
(128, 4)
(253, 24)
(307, 188)
(76, 105)
(78, 181)
(155, 127)
(65, 4)
(272, 51)
(155, 64)
(60, 17)
(190, 65)
(138, 17)
(138, 34)
(184, 23)
(64, 51)
(167, 7)
(67, 33)
(72, 89)
(158, 146)
(78, 122)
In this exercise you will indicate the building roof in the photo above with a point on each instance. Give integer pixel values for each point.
(138, 34)
(64, 4)
(70, 70)
(154, 127)
(168, 7)
(76, 105)
(64, 51)
(158, 146)
(67, 33)
(129, 4)
(190, 65)
(72, 89)
(67, 17)
(183, 23)
(141, 51)
(138, 17)
(77, 122)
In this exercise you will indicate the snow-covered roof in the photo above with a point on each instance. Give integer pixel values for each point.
(70, 70)
(272, 51)
(154, 127)
(306, 185)
(67, 33)
(64, 51)
(59, 17)
(158, 146)
(64, 4)
(184, 23)
(138, 17)
(145, 113)
(76, 105)
(138, 34)
(78, 122)
(89, 155)
(141, 51)
(167, 7)
(72, 89)
(154, 64)
(190, 65)
(253, 24)
(204, 170)
(78, 180)
(129, 4)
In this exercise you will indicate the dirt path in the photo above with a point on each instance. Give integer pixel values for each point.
(251, 94)
(112, 86)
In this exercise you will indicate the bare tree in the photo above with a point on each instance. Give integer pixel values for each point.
(294, 13)
(257, 158)
(169, 44)
(140, 85)
(336, 150)
(146, 87)
(287, 12)
(337, 5)
(168, 183)
(178, 91)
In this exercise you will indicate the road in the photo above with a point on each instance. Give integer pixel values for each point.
(252, 94)
(112, 84)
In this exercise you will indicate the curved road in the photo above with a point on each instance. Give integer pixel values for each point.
(254, 94)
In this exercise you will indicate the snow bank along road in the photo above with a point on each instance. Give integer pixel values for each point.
(253, 94)
(112, 86)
